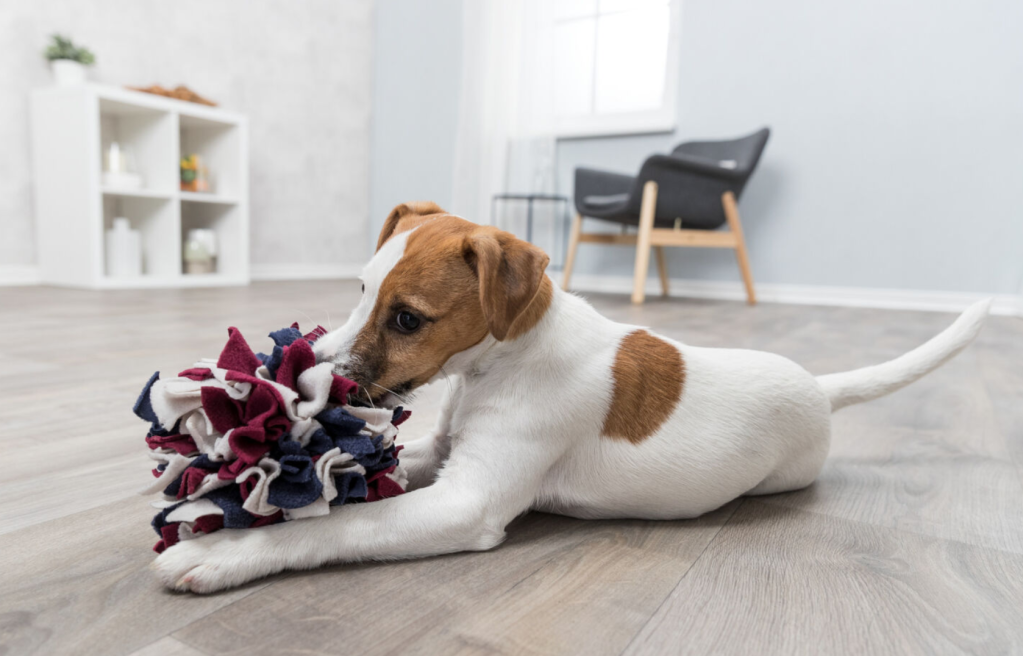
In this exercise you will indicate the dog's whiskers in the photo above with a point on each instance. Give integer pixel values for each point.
(400, 397)
(306, 316)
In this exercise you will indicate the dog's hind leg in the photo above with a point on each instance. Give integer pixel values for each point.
(797, 470)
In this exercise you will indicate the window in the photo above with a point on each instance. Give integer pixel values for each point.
(614, 66)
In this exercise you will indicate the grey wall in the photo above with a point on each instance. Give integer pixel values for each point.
(896, 156)
(417, 70)
(301, 70)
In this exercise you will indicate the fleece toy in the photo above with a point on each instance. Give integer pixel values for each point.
(251, 439)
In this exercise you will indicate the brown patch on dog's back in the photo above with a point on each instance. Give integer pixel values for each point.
(648, 377)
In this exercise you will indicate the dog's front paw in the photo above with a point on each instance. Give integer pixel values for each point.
(215, 562)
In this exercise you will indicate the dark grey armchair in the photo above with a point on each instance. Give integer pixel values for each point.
(681, 199)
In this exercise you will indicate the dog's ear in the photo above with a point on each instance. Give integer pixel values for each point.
(509, 271)
(415, 208)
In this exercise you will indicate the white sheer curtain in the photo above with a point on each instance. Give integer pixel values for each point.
(505, 140)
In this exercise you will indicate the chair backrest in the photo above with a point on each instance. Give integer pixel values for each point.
(744, 151)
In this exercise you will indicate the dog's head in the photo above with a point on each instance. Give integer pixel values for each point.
(437, 286)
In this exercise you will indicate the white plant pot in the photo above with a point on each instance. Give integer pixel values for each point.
(67, 72)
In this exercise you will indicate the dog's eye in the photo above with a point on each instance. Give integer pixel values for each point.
(363, 288)
(406, 322)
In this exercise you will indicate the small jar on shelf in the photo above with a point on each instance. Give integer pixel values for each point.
(123, 250)
(119, 168)
(200, 252)
(194, 174)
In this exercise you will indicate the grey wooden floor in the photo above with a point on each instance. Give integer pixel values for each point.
(910, 542)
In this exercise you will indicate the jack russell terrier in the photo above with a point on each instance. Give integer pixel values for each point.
(548, 402)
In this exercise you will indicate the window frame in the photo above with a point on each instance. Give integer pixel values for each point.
(651, 121)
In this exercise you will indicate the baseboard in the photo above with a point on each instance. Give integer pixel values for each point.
(894, 299)
(305, 271)
(12, 275)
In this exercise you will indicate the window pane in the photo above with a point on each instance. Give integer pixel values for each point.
(632, 50)
(607, 6)
(573, 67)
(574, 8)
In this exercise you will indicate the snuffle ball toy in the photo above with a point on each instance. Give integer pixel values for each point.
(252, 439)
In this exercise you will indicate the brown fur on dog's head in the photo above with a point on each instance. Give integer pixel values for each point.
(406, 216)
(460, 281)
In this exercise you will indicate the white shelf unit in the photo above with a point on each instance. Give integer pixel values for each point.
(71, 130)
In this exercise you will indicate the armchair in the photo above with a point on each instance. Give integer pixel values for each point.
(679, 199)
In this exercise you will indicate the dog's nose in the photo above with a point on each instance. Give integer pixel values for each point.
(340, 369)
(343, 366)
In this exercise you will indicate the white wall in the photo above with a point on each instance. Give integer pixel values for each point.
(417, 64)
(896, 156)
(301, 70)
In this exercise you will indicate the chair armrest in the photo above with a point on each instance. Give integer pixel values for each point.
(657, 167)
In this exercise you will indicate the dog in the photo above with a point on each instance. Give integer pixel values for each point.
(550, 406)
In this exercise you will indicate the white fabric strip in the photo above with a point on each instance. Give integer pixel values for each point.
(193, 510)
(266, 471)
(176, 463)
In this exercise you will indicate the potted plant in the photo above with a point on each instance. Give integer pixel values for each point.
(67, 60)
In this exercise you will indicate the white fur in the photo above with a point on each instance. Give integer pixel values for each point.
(338, 343)
(521, 427)
(869, 383)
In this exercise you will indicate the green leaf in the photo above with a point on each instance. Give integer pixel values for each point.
(62, 47)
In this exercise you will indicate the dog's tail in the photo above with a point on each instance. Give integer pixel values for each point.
(869, 383)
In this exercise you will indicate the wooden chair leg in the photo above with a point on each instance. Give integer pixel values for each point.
(573, 246)
(735, 225)
(646, 227)
(662, 269)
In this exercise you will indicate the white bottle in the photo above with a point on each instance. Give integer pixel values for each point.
(124, 250)
(201, 251)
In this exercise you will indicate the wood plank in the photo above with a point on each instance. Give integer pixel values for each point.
(665, 237)
(697, 238)
(591, 600)
(647, 212)
(1001, 344)
(662, 270)
(933, 458)
(82, 585)
(918, 481)
(574, 237)
(741, 256)
(914, 525)
(781, 581)
(67, 411)
(556, 582)
(82, 486)
(168, 647)
(345, 606)
(608, 238)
